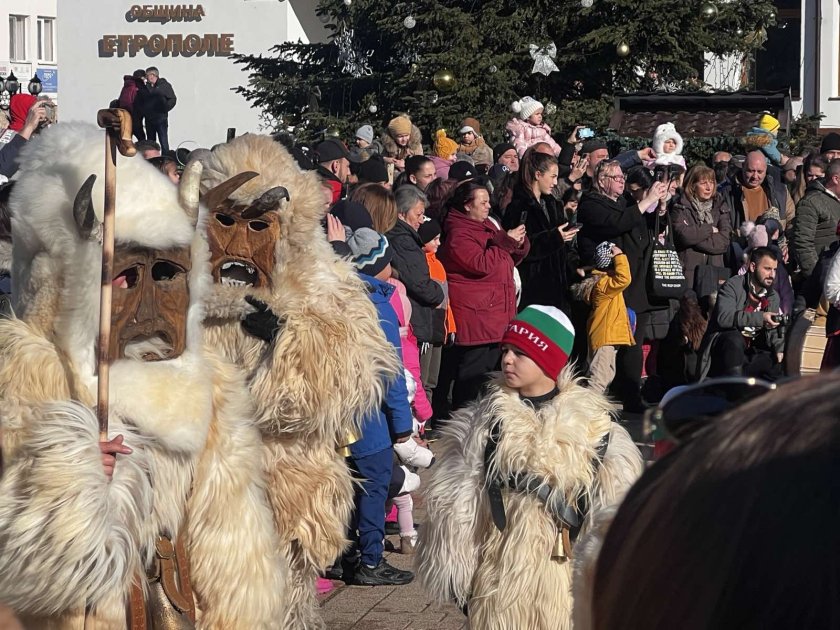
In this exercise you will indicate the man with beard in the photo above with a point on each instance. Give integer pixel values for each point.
(168, 518)
(746, 334)
(313, 352)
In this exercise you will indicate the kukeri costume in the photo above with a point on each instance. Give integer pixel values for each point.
(516, 481)
(327, 364)
(74, 548)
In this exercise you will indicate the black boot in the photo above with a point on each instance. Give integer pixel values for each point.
(383, 574)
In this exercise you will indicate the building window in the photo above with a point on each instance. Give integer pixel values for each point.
(774, 71)
(46, 39)
(17, 38)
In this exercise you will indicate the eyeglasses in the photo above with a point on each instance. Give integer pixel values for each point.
(685, 411)
(618, 178)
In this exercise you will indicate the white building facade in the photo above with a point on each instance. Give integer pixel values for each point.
(28, 42)
(103, 40)
(802, 52)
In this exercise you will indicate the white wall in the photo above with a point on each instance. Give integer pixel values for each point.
(24, 69)
(206, 105)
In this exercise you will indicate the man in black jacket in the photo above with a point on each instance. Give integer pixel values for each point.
(154, 104)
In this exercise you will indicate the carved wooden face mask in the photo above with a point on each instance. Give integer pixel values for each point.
(242, 249)
(243, 238)
(151, 296)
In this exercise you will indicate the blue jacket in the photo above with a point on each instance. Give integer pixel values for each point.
(393, 418)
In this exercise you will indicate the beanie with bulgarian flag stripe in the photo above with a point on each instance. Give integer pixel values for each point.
(545, 334)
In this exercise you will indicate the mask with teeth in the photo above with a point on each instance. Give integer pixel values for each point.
(150, 301)
(243, 238)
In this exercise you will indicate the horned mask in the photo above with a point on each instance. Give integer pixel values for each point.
(150, 287)
(243, 237)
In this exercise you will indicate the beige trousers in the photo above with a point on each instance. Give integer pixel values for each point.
(602, 368)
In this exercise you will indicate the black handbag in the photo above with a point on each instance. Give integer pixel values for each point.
(666, 278)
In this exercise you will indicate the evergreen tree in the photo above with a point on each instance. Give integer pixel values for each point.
(376, 64)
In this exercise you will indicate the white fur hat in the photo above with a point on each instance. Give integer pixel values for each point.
(526, 107)
(664, 132)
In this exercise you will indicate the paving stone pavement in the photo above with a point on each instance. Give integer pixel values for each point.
(409, 607)
(390, 607)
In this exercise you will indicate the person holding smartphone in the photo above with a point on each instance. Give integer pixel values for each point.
(544, 271)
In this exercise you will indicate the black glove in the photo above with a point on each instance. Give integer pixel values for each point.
(263, 324)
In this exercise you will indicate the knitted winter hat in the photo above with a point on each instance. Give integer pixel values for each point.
(400, 126)
(526, 107)
(768, 123)
(373, 170)
(590, 146)
(371, 252)
(603, 255)
(500, 149)
(365, 132)
(666, 131)
(470, 124)
(428, 230)
(444, 147)
(545, 334)
(831, 142)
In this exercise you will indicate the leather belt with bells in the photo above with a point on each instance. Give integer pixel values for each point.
(170, 604)
(568, 518)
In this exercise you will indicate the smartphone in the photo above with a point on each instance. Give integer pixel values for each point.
(571, 226)
(585, 133)
(523, 217)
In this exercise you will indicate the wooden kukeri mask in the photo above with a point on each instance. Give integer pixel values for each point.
(151, 297)
(243, 237)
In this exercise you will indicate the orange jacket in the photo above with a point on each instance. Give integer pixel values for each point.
(438, 273)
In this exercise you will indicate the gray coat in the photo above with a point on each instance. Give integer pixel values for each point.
(729, 314)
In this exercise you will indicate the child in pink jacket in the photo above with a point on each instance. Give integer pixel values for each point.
(528, 128)
(411, 353)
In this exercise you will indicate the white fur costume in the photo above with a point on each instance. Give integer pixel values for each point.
(69, 538)
(509, 579)
(314, 383)
(667, 131)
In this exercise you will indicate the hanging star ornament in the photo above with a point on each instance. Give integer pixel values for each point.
(543, 58)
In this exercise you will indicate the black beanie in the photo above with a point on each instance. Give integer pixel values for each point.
(428, 230)
(831, 142)
(501, 149)
(592, 145)
(373, 171)
(352, 214)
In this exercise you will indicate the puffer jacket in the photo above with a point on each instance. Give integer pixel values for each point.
(525, 135)
(815, 228)
(392, 420)
(410, 262)
(608, 323)
(479, 259)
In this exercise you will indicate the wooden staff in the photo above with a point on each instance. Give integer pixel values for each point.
(117, 125)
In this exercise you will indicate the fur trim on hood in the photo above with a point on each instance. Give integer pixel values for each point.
(664, 132)
(415, 144)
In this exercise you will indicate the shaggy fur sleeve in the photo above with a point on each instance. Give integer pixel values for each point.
(67, 535)
(449, 548)
(237, 572)
(327, 367)
(621, 468)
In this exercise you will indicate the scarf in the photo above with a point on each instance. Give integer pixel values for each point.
(703, 209)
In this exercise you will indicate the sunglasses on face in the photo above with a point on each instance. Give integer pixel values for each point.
(688, 410)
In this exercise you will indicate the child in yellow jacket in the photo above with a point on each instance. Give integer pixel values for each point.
(609, 322)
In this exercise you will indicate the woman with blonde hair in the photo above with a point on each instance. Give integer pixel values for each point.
(701, 221)
(380, 204)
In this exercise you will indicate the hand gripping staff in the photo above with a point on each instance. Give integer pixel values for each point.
(117, 125)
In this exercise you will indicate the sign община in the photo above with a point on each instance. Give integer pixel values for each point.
(171, 44)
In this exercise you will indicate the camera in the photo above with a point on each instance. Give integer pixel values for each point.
(782, 319)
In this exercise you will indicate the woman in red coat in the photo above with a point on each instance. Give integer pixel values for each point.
(479, 258)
